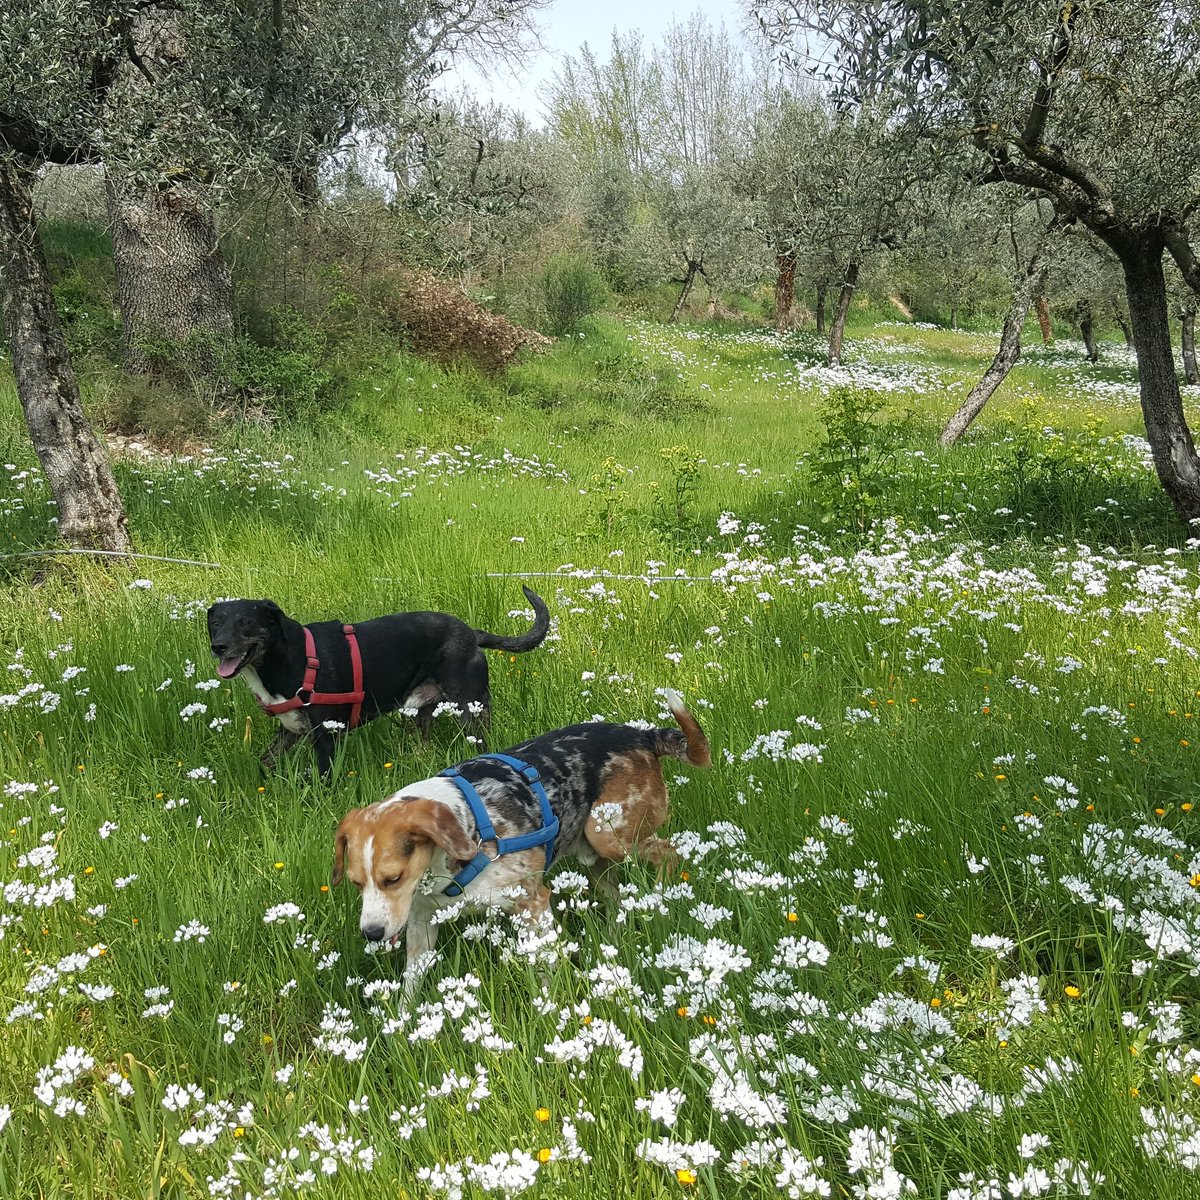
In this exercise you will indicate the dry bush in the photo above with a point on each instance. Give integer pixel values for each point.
(439, 320)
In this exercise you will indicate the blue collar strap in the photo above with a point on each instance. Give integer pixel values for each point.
(539, 837)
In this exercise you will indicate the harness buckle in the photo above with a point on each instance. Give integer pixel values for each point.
(490, 857)
(304, 697)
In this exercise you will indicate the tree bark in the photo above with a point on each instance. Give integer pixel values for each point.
(91, 514)
(785, 289)
(953, 316)
(305, 176)
(822, 292)
(1043, 316)
(1187, 319)
(1030, 286)
(1087, 328)
(838, 330)
(1171, 444)
(173, 284)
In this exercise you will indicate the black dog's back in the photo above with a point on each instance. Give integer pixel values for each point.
(411, 660)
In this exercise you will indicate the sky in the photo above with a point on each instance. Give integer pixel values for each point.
(567, 24)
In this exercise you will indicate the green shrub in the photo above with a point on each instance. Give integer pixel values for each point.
(572, 289)
(855, 463)
(290, 371)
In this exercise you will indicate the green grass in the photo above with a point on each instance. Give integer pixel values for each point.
(949, 653)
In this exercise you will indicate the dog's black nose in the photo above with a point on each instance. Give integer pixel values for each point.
(373, 933)
(219, 649)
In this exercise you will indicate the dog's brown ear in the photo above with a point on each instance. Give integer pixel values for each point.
(341, 839)
(427, 818)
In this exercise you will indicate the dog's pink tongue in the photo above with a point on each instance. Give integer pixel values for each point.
(228, 666)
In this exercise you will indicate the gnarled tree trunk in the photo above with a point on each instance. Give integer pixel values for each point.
(1171, 444)
(1087, 329)
(837, 331)
(173, 285)
(1187, 321)
(694, 267)
(1043, 315)
(785, 289)
(91, 514)
(1031, 285)
(822, 292)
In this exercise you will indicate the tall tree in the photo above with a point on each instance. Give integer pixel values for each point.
(1031, 270)
(1094, 106)
(702, 92)
(650, 129)
(90, 512)
(608, 110)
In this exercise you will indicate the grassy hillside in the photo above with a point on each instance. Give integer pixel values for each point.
(940, 908)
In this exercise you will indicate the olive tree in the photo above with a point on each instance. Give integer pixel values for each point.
(91, 514)
(850, 195)
(829, 189)
(768, 170)
(955, 260)
(1031, 256)
(318, 78)
(479, 182)
(1095, 106)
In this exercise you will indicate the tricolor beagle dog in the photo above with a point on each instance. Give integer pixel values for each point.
(486, 830)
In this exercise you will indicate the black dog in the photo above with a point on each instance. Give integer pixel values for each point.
(316, 678)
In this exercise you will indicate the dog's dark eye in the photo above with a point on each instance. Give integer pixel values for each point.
(392, 882)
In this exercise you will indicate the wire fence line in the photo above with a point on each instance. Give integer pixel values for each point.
(187, 562)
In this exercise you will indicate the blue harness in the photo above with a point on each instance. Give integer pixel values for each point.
(539, 837)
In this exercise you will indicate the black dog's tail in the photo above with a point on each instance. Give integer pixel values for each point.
(688, 741)
(526, 641)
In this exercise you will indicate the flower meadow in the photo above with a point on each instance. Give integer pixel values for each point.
(936, 925)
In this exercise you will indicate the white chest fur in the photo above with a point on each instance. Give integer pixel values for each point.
(296, 720)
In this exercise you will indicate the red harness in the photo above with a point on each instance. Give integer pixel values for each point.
(306, 695)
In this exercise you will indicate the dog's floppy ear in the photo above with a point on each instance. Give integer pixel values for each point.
(271, 610)
(427, 818)
(341, 839)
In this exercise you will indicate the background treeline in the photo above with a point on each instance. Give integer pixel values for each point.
(690, 179)
(239, 209)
